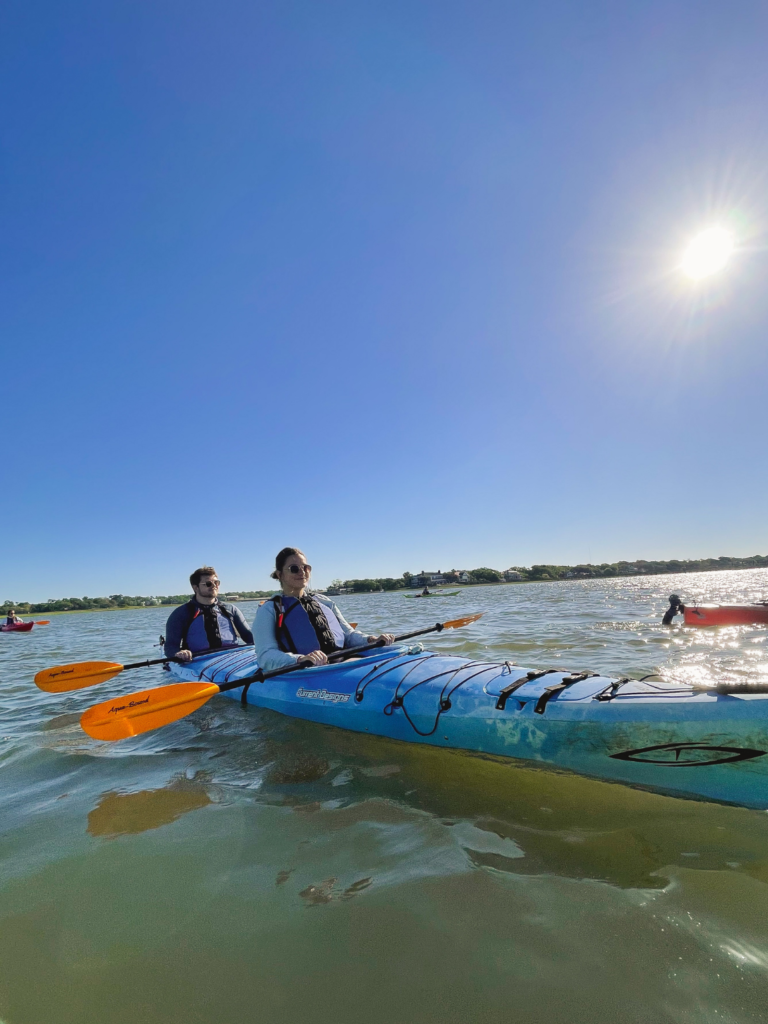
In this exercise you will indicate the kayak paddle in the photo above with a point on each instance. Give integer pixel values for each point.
(121, 717)
(62, 678)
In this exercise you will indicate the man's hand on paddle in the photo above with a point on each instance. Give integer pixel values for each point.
(385, 638)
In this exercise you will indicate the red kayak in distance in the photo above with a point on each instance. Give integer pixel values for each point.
(21, 627)
(726, 615)
(716, 614)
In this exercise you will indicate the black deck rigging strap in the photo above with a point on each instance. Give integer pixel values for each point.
(610, 691)
(564, 683)
(507, 692)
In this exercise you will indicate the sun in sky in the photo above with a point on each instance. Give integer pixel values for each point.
(707, 253)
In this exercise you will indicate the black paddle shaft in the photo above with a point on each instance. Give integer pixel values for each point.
(197, 654)
(260, 677)
(144, 664)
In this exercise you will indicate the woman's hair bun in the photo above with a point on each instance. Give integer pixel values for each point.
(273, 574)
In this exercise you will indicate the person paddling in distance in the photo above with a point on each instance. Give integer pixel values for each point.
(204, 623)
(12, 619)
(299, 626)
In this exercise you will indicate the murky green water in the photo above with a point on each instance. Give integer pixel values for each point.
(238, 866)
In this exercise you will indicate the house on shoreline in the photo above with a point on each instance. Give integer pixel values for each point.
(428, 579)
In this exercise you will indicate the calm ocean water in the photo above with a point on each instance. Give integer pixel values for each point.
(239, 866)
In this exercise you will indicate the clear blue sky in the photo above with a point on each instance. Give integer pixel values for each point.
(392, 281)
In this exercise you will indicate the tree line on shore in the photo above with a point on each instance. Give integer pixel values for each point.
(455, 577)
(536, 573)
(82, 604)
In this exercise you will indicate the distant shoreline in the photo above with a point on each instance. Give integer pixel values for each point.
(118, 608)
(541, 573)
(23, 610)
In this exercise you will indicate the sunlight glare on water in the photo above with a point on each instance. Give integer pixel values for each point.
(238, 865)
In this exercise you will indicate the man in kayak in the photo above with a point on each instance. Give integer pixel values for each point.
(12, 618)
(204, 623)
(299, 626)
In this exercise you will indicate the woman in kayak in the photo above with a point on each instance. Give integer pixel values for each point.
(12, 618)
(298, 626)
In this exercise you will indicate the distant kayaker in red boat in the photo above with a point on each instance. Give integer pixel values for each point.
(12, 618)
(755, 614)
(676, 607)
(204, 623)
(297, 625)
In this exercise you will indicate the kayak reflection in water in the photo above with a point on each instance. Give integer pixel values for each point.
(204, 623)
(299, 626)
(12, 618)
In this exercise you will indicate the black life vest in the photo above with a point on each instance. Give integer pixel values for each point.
(210, 623)
(303, 625)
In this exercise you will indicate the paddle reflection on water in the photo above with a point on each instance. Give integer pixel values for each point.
(118, 814)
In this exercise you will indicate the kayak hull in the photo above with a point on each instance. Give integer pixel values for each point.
(727, 615)
(660, 736)
(22, 627)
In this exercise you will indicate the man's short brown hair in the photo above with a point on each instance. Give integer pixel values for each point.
(197, 575)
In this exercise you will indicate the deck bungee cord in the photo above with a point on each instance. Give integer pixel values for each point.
(444, 703)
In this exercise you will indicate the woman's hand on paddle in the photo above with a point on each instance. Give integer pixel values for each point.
(315, 658)
(385, 638)
(183, 656)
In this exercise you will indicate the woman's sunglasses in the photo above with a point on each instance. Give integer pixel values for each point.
(296, 569)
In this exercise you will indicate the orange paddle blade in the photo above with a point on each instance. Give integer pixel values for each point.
(61, 678)
(121, 717)
(42, 622)
(455, 623)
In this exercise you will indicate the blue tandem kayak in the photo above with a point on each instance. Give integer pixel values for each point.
(664, 736)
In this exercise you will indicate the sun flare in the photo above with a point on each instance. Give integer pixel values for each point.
(707, 253)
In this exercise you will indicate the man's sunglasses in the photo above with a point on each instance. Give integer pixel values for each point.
(296, 569)
(211, 583)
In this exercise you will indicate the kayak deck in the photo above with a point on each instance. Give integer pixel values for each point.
(659, 735)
